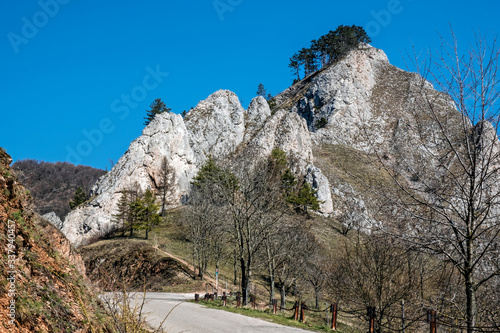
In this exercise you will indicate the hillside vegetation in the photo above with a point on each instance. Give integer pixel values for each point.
(48, 293)
(53, 185)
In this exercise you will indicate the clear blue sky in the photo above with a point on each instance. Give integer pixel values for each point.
(67, 66)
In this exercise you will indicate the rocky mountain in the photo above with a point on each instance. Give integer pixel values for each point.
(323, 121)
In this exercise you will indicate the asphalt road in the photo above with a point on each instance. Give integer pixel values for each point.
(191, 317)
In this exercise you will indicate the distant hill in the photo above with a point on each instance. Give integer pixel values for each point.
(53, 185)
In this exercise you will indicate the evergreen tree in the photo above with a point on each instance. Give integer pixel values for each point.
(279, 157)
(295, 65)
(211, 173)
(78, 198)
(327, 49)
(134, 200)
(261, 91)
(288, 183)
(147, 212)
(305, 199)
(157, 107)
(121, 217)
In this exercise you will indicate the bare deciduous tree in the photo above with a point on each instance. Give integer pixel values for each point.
(448, 198)
(206, 224)
(248, 191)
(375, 271)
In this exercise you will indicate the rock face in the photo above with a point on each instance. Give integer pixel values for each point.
(217, 126)
(45, 269)
(320, 183)
(166, 136)
(330, 113)
(53, 219)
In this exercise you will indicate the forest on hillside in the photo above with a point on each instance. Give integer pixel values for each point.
(53, 185)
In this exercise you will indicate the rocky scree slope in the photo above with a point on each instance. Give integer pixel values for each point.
(50, 289)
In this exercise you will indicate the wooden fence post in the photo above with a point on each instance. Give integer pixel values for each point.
(303, 307)
(371, 316)
(296, 308)
(432, 318)
(334, 316)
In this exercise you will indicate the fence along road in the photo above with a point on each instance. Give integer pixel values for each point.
(191, 317)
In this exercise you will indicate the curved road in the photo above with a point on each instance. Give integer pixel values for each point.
(191, 317)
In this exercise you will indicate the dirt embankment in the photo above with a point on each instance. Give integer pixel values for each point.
(132, 263)
(41, 288)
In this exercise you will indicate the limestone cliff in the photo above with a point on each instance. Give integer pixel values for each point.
(217, 126)
(344, 110)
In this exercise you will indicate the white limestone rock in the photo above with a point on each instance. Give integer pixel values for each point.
(288, 132)
(320, 183)
(257, 113)
(53, 219)
(216, 125)
(166, 136)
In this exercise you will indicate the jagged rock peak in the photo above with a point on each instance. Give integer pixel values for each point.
(343, 86)
(216, 125)
(258, 111)
(166, 136)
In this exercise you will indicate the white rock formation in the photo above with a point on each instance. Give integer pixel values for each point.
(216, 125)
(320, 183)
(165, 136)
(358, 94)
(257, 114)
(53, 219)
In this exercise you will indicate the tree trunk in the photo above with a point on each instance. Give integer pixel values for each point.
(163, 199)
(272, 290)
(146, 237)
(194, 265)
(471, 303)
(244, 281)
(271, 267)
(235, 268)
(316, 293)
(283, 298)
(200, 266)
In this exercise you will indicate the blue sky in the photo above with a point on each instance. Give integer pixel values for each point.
(77, 76)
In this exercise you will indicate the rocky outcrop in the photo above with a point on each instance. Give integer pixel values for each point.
(361, 95)
(216, 125)
(166, 136)
(320, 183)
(338, 92)
(257, 114)
(288, 132)
(40, 270)
(53, 219)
